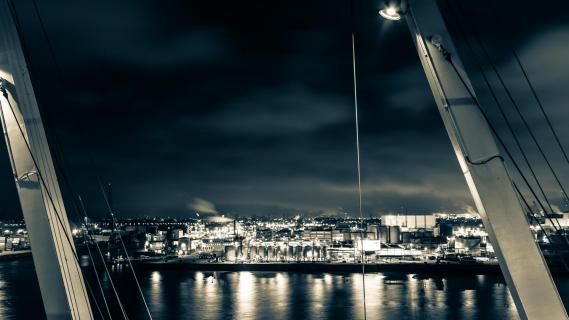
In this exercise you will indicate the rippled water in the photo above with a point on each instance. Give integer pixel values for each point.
(175, 294)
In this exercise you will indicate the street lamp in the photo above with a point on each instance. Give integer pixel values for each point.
(393, 10)
(390, 13)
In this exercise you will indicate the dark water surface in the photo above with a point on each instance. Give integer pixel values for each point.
(173, 294)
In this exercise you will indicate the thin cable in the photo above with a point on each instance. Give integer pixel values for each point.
(55, 61)
(459, 11)
(50, 198)
(359, 173)
(524, 121)
(533, 91)
(448, 58)
(502, 143)
(518, 110)
(508, 125)
(532, 216)
(526, 124)
(87, 238)
(82, 206)
(40, 176)
(52, 53)
(65, 271)
(69, 241)
(538, 100)
(124, 248)
(491, 90)
(47, 39)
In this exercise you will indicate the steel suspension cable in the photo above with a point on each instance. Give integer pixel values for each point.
(52, 53)
(112, 214)
(50, 47)
(517, 108)
(51, 201)
(502, 143)
(59, 158)
(532, 216)
(65, 271)
(510, 129)
(524, 121)
(82, 206)
(92, 260)
(538, 101)
(494, 130)
(532, 89)
(86, 238)
(518, 111)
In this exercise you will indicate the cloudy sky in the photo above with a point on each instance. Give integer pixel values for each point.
(247, 107)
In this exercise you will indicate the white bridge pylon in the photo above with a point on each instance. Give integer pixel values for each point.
(59, 275)
(459, 93)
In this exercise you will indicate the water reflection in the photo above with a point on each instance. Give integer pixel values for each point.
(278, 295)
(245, 296)
(19, 291)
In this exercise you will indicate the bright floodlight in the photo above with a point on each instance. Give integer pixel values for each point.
(390, 13)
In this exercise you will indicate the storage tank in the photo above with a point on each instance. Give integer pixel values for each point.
(279, 253)
(270, 253)
(394, 234)
(290, 253)
(239, 252)
(383, 234)
(324, 252)
(230, 253)
(373, 232)
(307, 253)
(265, 253)
(298, 253)
(317, 253)
(253, 253)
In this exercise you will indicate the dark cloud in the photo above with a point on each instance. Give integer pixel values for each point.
(249, 106)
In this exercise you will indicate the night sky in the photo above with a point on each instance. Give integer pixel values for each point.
(246, 108)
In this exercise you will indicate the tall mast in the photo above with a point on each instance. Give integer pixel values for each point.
(458, 88)
(59, 275)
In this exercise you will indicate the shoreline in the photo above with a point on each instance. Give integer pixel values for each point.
(315, 267)
(312, 267)
(12, 255)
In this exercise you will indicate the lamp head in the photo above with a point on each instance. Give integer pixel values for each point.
(390, 13)
(393, 10)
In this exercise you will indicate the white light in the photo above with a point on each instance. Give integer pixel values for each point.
(390, 13)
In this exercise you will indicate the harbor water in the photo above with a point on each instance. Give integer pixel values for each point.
(180, 294)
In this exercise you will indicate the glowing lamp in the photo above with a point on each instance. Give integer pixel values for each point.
(390, 13)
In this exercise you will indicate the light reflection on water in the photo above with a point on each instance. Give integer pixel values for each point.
(279, 295)
(175, 294)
